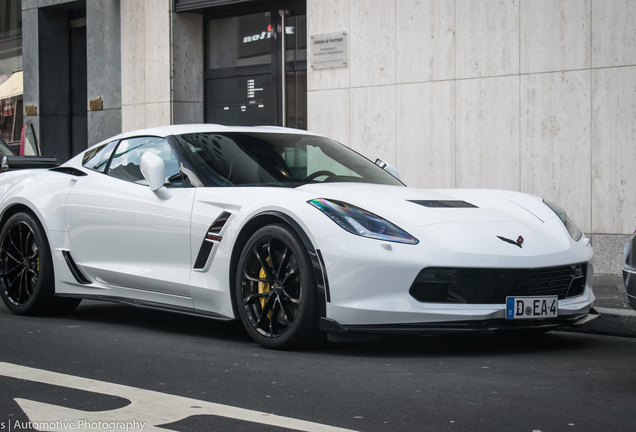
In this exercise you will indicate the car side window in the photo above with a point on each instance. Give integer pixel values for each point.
(96, 158)
(126, 160)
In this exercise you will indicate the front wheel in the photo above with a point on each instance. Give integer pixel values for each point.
(276, 290)
(27, 284)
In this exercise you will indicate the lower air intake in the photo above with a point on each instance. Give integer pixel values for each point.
(492, 286)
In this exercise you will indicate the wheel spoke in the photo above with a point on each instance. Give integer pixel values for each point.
(12, 283)
(286, 313)
(254, 297)
(22, 251)
(289, 298)
(269, 304)
(13, 258)
(14, 245)
(264, 266)
(18, 265)
(254, 279)
(290, 274)
(27, 244)
(284, 261)
(23, 280)
(272, 319)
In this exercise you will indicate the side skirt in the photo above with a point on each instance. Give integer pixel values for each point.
(151, 305)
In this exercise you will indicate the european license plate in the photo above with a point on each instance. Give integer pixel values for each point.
(532, 307)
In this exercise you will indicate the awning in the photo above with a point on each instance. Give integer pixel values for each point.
(12, 87)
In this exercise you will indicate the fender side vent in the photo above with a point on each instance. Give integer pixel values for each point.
(324, 275)
(75, 271)
(212, 236)
(444, 204)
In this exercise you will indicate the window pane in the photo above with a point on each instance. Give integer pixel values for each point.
(260, 159)
(97, 157)
(127, 159)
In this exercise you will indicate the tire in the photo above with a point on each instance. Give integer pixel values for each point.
(27, 283)
(276, 291)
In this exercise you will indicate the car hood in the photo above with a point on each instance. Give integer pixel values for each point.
(479, 222)
(424, 207)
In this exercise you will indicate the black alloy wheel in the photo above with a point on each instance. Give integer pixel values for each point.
(276, 290)
(27, 285)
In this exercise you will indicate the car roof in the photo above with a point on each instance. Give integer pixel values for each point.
(164, 131)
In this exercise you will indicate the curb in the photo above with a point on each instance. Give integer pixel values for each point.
(613, 322)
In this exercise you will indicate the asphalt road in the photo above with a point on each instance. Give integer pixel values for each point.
(174, 369)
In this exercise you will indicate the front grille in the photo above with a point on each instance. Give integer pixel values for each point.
(492, 286)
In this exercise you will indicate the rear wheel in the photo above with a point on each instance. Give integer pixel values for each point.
(27, 284)
(276, 290)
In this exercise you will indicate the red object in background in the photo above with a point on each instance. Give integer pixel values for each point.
(29, 145)
(8, 107)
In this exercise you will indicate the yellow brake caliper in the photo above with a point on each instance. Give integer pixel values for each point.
(263, 287)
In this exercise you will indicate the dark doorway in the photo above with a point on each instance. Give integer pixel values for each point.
(62, 79)
(256, 69)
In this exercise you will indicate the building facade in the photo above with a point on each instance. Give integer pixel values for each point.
(537, 96)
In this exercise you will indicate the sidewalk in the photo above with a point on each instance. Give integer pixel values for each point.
(617, 317)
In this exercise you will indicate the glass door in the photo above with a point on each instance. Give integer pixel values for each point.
(254, 75)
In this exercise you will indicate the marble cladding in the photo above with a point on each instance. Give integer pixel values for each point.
(425, 40)
(373, 122)
(29, 4)
(613, 150)
(372, 42)
(158, 66)
(487, 38)
(162, 65)
(158, 114)
(556, 141)
(30, 58)
(187, 34)
(103, 62)
(487, 145)
(614, 30)
(133, 54)
(187, 112)
(329, 114)
(329, 16)
(425, 134)
(133, 117)
(555, 35)
(103, 124)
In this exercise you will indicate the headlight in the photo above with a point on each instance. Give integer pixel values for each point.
(575, 233)
(361, 222)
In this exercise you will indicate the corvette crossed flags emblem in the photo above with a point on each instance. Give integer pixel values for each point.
(519, 241)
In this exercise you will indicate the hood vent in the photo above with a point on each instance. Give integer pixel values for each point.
(444, 204)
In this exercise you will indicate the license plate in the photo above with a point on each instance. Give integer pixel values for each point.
(531, 307)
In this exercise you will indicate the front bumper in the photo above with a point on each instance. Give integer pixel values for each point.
(369, 284)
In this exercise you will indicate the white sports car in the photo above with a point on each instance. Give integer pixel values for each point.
(290, 232)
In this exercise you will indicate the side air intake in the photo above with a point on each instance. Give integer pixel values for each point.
(75, 271)
(212, 236)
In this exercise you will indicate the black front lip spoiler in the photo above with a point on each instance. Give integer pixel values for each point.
(569, 321)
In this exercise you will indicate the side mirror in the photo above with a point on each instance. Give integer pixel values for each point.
(153, 170)
(388, 168)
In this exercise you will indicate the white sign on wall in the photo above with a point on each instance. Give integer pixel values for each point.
(329, 50)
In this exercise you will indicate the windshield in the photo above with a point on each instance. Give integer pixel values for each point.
(271, 159)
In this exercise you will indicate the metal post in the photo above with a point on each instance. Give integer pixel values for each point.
(283, 72)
